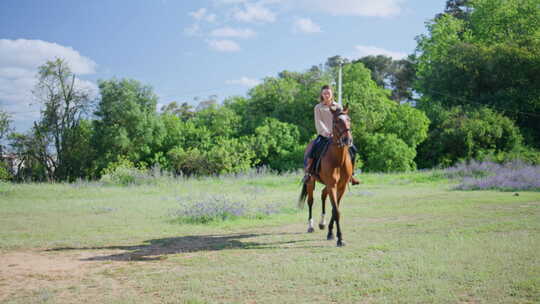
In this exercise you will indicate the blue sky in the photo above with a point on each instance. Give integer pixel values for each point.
(189, 49)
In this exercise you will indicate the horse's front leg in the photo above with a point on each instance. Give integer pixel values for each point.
(336, 214)
(330, 234)
(310, 188)
(340, 191)
(324, 195)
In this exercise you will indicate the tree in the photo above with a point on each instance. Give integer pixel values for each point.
(459, 9)
(64, 103)
(379, 123)
(209, 102)
(184, 111)
(465, 134)
(81, 155)
(34, 157)
(490, 59)
(369, 104)
(276, 98)
(5, 122)
(333, 62)
(403, 78)
(220, 121)
(387, 153)
(276, 145)
(407, 123)
(395, 75)
(127, 123)
(227, 155)
(381, 68)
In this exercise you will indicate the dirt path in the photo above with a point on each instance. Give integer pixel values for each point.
(37, 272)
(86, 272)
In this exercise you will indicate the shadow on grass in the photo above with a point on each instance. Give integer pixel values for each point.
(157, 249)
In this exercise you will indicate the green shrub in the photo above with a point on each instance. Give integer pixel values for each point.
(408, 123)
(276, 145)
(227, 155)
(386, 153)
(124, 172)
(230, 155)
(465, 134)
(520, 153)
(4, 173)
(188, 162)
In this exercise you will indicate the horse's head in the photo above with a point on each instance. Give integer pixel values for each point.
(342, 126)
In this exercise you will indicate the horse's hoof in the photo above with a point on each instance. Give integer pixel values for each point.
(330, 237)
(310, 230)
(341, 243)
(321, 226)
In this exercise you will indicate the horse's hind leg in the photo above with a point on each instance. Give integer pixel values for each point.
(324, 195)
(310, 188)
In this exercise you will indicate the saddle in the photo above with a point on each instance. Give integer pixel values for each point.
(318, 155)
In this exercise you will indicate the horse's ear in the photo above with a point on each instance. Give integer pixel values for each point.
(346, 109)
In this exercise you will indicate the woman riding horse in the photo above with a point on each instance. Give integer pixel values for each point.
(336, 165)
(323, 124)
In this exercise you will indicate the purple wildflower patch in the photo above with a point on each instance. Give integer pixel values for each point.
(269, 209)
(471, 169)
(211, 209)
(510, 176)
(221, 208)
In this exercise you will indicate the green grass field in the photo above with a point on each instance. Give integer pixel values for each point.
(410, 239)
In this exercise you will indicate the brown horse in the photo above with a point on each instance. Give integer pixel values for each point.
(335, 173)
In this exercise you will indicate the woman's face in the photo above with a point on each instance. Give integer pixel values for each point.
(326, 95)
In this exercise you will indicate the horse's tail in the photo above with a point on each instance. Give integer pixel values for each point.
(303, 196)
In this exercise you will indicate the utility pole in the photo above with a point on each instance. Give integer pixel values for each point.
(339, 81)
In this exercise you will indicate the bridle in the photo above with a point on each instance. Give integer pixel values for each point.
(341, 131)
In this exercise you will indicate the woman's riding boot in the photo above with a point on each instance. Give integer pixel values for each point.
(353, 152)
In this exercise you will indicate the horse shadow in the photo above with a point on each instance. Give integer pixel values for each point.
(158, 249)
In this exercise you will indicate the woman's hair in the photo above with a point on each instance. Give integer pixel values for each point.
(324, 87)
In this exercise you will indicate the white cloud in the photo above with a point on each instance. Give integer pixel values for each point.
(198, 14)
(254, 12)
(365, 50)
(305, 25)
(211, 18)
(244, 81)
(202, 15)
(29, 54)
(378, 8)
(193, 30)
(224, 45)
(19, 62)
(231, 1)
(233, 33)
(87, 86)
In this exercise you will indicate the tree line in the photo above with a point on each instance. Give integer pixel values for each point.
(470, 91)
